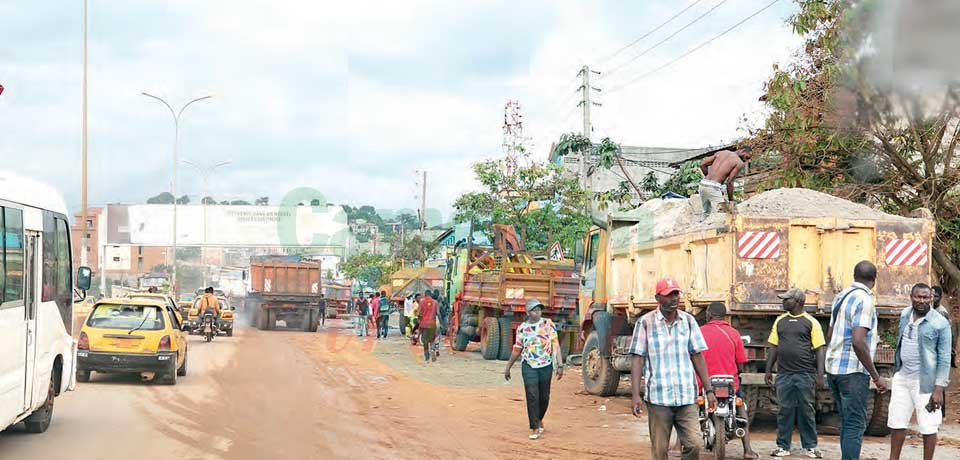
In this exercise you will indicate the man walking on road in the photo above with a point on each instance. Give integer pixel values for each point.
(797, 348)
(718, 170)
(323, 311)
(363, 311)
(922, 373)
(405, 327)
(853, 338)
(428, 325)
(724, 356)
(383, 320)
(375, 312)
(667, 349)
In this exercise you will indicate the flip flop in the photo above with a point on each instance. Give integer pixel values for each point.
(534, 437)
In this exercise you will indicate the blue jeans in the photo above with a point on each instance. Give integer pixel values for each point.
(850, 393)
(797, 397)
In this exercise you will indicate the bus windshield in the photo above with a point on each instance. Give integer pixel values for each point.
(110, 316)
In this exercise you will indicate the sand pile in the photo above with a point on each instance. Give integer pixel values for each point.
(663, 218)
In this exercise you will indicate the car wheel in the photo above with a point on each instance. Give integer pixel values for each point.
(83, 376)
(183, 368)
(170, 377)
(39, 420)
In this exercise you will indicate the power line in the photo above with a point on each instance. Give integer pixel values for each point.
(675, 16)
(697, 48)
(655, 46)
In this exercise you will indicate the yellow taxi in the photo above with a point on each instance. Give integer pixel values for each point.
(184, 307)
(160, 297)
(132, 335)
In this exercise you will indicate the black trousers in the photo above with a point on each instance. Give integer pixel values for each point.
(383, 326)
(536, 382)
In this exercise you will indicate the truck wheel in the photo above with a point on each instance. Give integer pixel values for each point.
(460, 341)
(307, 321)
(490, 338)
(599, 376)
(230, 332)
(271, 320)
(506, 337)
(751, 398)
(39, 420)
(877, 407)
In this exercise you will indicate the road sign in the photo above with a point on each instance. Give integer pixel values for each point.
(556, 252)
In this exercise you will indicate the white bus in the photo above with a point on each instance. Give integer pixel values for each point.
(36, 302)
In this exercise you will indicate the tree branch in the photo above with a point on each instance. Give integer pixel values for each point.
(946, 264)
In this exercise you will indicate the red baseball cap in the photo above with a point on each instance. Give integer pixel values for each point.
(667, 286)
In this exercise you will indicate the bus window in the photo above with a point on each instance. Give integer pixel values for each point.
(64, 291)
(49, 257)
(13, 255)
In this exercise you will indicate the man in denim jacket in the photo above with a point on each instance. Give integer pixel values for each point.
(922, 367)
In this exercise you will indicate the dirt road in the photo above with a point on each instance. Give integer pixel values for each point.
(281, 395)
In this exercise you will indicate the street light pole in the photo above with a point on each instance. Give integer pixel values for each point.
(205, 173)
(83, 147)
(176, 146)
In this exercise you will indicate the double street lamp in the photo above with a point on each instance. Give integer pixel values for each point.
(177, 115)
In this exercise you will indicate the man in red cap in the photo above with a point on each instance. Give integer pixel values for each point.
(667, 351)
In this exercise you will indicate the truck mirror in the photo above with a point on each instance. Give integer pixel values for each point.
(578, 252)
(84, 276)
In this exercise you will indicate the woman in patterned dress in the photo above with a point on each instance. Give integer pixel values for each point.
(537, 343)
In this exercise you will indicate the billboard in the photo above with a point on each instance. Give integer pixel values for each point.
(220, 225)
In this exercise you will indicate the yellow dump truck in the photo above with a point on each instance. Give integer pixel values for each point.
(772, 242)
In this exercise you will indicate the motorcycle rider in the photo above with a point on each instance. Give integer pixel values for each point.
(209, 303)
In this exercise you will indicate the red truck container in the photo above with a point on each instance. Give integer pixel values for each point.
(285, 288)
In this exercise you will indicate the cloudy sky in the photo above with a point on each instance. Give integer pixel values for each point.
(351, 98)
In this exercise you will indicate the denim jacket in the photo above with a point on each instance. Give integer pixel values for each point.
(934, 333)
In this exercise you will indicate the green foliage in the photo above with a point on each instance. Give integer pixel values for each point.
(370, 270)
(685, 181)
(835, 130)
(162, 198)
(541, 201)
(417, 251)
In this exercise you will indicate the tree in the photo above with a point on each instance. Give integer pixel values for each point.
(163, 198)
(416, 250)
(539, 200)
(409, 221)
(208, 201)
(370, 270)
(835, 127)
(262, 201)
(183, 200)
(239, 203)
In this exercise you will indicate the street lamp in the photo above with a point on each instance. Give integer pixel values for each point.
(176, 146)
(205, 173)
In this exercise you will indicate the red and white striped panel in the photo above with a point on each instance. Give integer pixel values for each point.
(906, 252)
(759, 245)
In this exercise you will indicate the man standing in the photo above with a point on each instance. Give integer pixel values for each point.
(407, 326)
(922, 372)
(796, 347)
(666, 348)
(363, 311)
(428, 325)
(323, 311)
(718, 170)
(375, 312)
(724, 356)
(853, 341)
(383, 321)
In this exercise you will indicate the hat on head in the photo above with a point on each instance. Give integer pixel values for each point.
(667, 286)
(533, 304)
(794, 293)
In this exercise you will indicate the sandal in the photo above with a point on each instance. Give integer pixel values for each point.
(534, 437)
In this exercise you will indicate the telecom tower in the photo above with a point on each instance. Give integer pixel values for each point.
(514, 143)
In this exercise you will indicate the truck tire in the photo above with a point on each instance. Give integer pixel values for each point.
(751, 397)
(271, 320)
(490, 338)
(460, 341)
(877, 407)
(39, 420)
(506, 337)
(599, 376)
(307, 322)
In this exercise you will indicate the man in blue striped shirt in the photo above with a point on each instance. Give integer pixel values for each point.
(666, 348)
(853, 338)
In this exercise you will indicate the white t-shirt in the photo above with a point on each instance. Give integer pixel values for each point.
(408, 307)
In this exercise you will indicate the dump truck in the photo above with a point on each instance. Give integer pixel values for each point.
(772, 242)
(284, 289)
(338, 296)
(497, 283)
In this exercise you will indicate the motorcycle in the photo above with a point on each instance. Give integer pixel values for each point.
(209, 327)
(724, 424)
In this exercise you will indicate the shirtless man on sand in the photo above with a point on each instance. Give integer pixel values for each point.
(718, 170)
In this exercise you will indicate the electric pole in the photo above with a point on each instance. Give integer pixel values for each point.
(585, 104)
(83, 148)
(423, 205)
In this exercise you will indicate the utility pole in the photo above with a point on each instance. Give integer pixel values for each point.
(423, 205)
(83, 149)
(585, 105)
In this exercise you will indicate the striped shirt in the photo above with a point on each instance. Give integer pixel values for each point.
(666, 348)
(858, 310)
